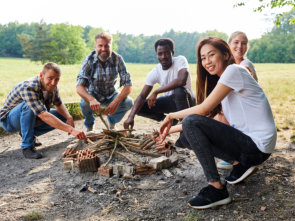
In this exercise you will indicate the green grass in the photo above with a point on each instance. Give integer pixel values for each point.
(277, 80)
(33, 216)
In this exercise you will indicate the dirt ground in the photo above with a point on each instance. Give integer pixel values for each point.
(45, 187)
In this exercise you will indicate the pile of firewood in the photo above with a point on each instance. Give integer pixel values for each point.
(133, 148)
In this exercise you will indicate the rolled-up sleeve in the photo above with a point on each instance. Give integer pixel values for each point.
(125, 78)
(82, 78)
(31, 97)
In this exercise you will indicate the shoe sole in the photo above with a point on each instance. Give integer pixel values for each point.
(248, 173)
(215, 204)
(224, 167)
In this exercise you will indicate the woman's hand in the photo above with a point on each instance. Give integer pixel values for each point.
(165, 127)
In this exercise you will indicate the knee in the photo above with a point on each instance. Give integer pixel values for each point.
(187, 122)
(25, 108)
(128, 103)
(84, 104)
(191, 121)
(180, 92)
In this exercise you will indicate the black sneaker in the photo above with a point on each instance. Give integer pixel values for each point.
(31, 153)
(239, 173)
(210, 197)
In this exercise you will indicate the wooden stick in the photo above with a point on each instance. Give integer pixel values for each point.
(90, 141)
(127, 158)
(131, 144)
(97, 144)
(95, 136)
(151, 143)
(102, 110)
(131, 139)
(113, 151)
(137, 158)
(101, 149)
(136, 150)
(144, 142)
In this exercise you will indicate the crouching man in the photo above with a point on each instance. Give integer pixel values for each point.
(27, 110)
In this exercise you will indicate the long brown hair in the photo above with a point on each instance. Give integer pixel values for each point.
(205, 81)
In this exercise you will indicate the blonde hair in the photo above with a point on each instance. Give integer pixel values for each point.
(236, 33)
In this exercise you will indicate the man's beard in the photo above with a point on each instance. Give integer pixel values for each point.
(104, 58)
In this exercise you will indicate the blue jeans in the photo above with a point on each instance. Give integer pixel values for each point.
(179, 100)
(123, 107)
(22, 118)
(210, 138)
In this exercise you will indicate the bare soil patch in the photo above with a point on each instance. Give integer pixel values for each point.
(45, 187)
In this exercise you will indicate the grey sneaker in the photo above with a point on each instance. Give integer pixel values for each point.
(31, 153)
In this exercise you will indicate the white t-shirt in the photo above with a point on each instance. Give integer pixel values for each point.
(250, 65)
(164, 77)
(247, 109)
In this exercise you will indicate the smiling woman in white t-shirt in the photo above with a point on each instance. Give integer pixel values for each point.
(238, 43)
(250, 137)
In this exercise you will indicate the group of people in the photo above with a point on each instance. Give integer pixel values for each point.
(230, 117)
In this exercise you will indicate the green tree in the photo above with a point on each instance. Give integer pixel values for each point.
(277, 45)
(264, 4)
(37, 47)
(67, 44)
(9, 45)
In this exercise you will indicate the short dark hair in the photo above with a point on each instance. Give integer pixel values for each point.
(51, 66)
(165, 41)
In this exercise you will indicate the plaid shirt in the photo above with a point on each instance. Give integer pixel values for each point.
(30, 91)
(101, 82)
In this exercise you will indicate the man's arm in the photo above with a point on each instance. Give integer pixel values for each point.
(53, 121)
(178, 82)
(62, 110)
(94, 104)
(113, 106)
(129, 123)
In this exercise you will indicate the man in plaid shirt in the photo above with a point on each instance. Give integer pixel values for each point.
(96, 83)
(27, 110)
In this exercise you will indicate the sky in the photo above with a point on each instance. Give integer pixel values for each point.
(147, 17)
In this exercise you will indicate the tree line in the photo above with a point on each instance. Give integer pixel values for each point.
(69, 44)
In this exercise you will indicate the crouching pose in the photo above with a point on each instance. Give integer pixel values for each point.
(27, 110)
(250, 137)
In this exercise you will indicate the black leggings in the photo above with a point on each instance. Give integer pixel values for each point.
(210, 138)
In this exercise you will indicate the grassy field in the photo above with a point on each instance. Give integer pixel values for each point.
(277, 80)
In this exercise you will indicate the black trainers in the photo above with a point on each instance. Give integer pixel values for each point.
(239, 173)
(31, 153)
(210, 197)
